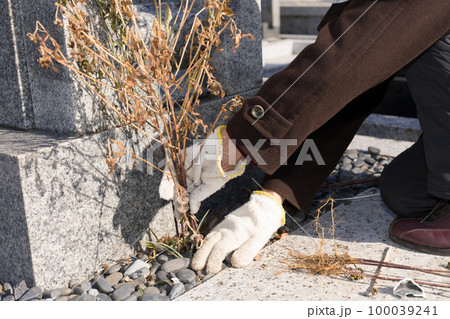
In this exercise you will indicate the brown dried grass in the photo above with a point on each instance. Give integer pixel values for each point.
(147, 87)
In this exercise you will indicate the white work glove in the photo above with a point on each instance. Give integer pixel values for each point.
(204, 173)
(244, 231)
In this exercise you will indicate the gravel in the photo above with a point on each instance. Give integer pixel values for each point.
(20, 289)
(177, 290)
(8, 289)
(154, 297)
(93, 292)
(186, 276)
(82, 288)
(175, 265)
(66, 292)
(32, 293)
(104, 285)
(112, 269)
(74, 282)
(151, 290)
(9, 298)
(135, 266)
(54, 293)
(114, 278)
(103, 297)
(122, 292)
(131, 298)
(162, 276)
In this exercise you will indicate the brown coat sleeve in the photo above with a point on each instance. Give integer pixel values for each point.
(363, 43)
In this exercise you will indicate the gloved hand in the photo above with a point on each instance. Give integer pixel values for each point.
(204, 173)
(244, 231)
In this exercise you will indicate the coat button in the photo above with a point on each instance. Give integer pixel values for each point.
(257, 111)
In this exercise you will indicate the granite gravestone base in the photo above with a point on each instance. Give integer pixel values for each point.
(62, 214)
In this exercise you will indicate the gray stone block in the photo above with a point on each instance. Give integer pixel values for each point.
(302, 18)
(15, 96)
(63, 215)
(241, 71)
(393, 127)
(39, 98)
(35, 98)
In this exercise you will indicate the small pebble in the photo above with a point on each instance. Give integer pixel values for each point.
(85, 297)
(151, 290)
(356, 170)
(104, 286)
(370, 160)
(346, 160)
(66, 292)
(155, 268)
(135, 266)
(346, 176)
(165, 289)
(32, 293)
(347, 167)
(74, 297)
(138, 281)
(123, 292)
(177, 290)
(54, 293)
(20, 289)
(374, 150)
(175, 265)
(188, 286)
(162, 276)
(379, 169)
(358, 163)
(112, 269)
(93, 292)
(161, 259)
(103, 297)
(186, 276)
(74, 282)
(81, 289)
(9, 298)
(141, 287)
(352, 156)
(154, 297)
(114, 278)
(8, 289)
(141, 272)
(208, 276)
(131, 298)
(62, 298)
(120, 285)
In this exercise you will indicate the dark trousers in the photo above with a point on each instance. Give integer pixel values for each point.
(298, 184)
(419, 177)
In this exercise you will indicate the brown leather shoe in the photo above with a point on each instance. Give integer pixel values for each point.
(430, 234)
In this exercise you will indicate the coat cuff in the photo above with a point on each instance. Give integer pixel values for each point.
(257, 121)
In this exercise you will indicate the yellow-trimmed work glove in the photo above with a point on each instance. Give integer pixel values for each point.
(244, 231)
